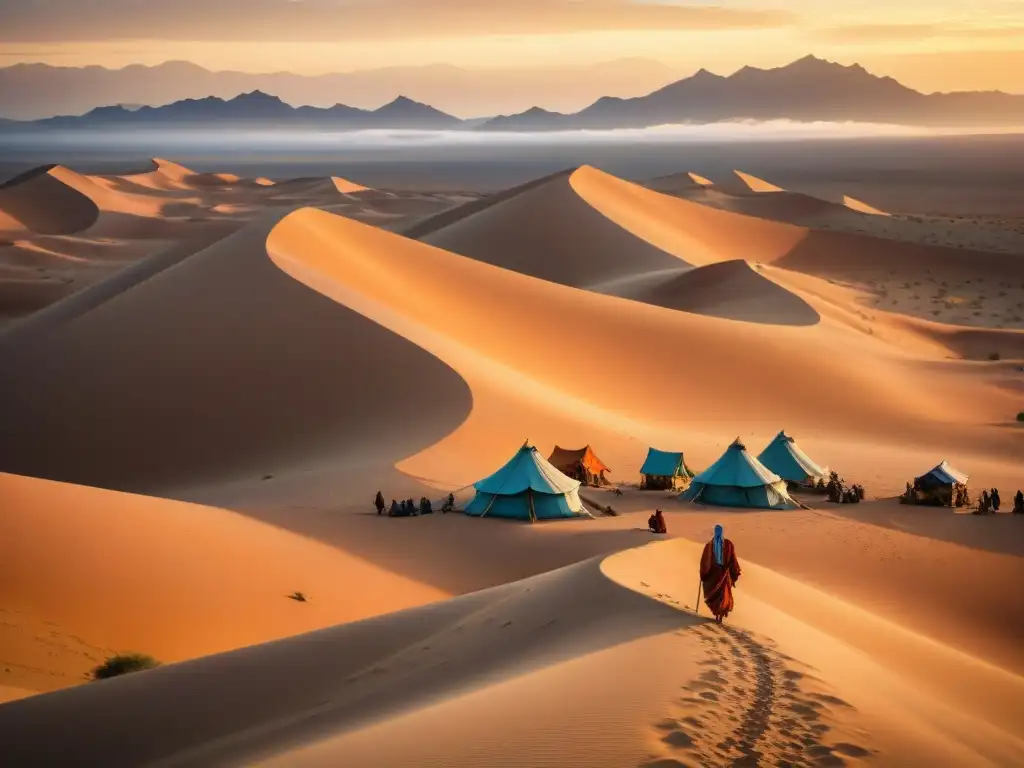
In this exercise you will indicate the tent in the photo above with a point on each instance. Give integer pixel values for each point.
(938, 485)
(738, 479)
(786, 459)
(662, 470)
(527, 488)
(941, 475)
(581, 464)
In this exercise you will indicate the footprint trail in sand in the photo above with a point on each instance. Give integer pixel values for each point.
(749, 707)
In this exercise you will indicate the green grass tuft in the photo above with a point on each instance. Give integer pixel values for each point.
(123, 664)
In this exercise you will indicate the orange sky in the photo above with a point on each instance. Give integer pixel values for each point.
(928, 44)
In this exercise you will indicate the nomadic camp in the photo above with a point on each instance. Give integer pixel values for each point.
(940, 486)
(738, 479)
(581, 464)
(664, 471)
(527, 488)
(787, 460)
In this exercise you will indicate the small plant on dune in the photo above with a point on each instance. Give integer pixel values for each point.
(1020, 416)
(299, 597)
(123, 664)
(993, 356)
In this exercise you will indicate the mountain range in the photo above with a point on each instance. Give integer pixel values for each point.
(36, 91)
(256, 109)
(809, 89)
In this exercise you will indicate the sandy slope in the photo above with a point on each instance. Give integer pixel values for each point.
(471, 679)
(86, 572)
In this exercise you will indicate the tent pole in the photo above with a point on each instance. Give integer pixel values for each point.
(494, 498)
(533, 513)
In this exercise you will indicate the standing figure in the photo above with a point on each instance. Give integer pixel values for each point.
(1018, 503)
(719, 572)
(395, 511)
(379, 503)
(995, 499)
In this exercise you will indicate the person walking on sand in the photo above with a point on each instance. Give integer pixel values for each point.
(719, 572)
(379, 503)
(996, 501)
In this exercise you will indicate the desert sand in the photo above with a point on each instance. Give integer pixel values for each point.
(196, 431)
(61, 231)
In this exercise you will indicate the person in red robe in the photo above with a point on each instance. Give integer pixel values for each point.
(719, 572)
(656, 522)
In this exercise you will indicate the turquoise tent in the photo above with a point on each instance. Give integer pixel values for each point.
(738, 479)
(528, 487)
(662, 469)
(786, 459)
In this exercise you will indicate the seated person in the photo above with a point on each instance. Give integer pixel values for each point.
(656, 522)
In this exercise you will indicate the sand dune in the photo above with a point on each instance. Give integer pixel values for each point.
(88, 572)
(757, 185)
(733, 290)
(702, 235)
(576, 247)
(675, 183)
(862, 207)
(225, 366)
(40, 201)
(347, 187)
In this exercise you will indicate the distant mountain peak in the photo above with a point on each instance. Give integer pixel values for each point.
(704, 74)
(256, 95)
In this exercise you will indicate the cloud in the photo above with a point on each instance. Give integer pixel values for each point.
(328, 20)
(871, 33)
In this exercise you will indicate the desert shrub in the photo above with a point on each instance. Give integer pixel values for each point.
(993, 356)
(123, 664)
(1020, 416)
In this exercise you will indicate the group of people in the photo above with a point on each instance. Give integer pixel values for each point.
(408, 507)
(838, 492)
(990, 502)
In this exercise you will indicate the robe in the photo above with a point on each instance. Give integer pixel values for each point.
(718, 579)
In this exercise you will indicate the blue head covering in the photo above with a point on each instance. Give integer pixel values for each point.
(718, 544)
